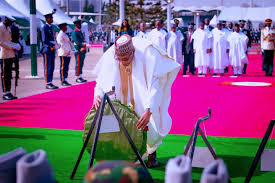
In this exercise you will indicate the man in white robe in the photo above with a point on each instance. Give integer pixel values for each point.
(85, 30)
(142, 33)
(158, 36)
(220, 49)
(174, 47)
(202, 49)
(150, 74)
(238, 47)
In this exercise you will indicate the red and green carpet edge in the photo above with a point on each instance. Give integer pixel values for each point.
(63, 147)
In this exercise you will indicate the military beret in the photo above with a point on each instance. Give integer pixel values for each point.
(77, 21)
(50, 15)
(242, 21)
(268, 20)
(62, 25)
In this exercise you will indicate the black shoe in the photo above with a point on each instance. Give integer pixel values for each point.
(152, 160)
(9, 97)
(215, 74)
(270, 74)
(51, 86)
(80, 80)
(266, 74)
(226, 70)
(65, 83)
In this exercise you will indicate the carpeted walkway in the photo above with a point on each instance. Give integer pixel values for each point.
(246, 109)
(63, 147)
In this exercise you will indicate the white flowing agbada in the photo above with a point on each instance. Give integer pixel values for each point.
(158, 38)
(202, 42)
(153, 73)
(142, 34)
(238, 46)
(220, 45)
(174, 46)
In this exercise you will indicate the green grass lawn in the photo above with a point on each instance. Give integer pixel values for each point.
(63, 147)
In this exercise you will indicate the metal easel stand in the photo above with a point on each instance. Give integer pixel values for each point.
(193, 138)
(97, 122)
(260, 151)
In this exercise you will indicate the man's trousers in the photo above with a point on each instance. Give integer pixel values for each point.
(268, 57)
(64, 67)
(49, 58)
(189, 61)
(79, 59)
(6, 74)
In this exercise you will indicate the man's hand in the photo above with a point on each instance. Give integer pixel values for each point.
(194, 51)
(97, 101)
(227, 50)
(82, 49)
(144, 120)
(52, 48)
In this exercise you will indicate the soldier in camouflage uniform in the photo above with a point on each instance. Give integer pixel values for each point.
(116, 172)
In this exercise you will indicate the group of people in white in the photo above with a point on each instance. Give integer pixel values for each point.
(213, 48)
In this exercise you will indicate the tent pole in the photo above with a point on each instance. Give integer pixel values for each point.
(33, 38)
(121, 10)
(168, 15)
(68, 11)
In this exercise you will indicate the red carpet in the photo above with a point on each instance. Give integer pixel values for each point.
(238, 111)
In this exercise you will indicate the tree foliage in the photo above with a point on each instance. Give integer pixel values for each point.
(135, 11)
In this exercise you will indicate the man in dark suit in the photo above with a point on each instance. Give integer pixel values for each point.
(207, 25)
(188, 51)
(48, 50)
(247, 33)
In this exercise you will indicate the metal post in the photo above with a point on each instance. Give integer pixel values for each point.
(33, 38)
(251, 3)
(100, 12)
(121, 10)
(197, 20)
(168, 16)
(68, 10)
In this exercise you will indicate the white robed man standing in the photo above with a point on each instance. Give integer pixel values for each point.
(202, 49)
(174, 47)
(159, 36)
(143, 32)
(220, 49)
(237, 53)
(142, 75)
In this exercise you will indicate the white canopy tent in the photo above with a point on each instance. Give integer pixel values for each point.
(253, 14)
(117, 23)
(214, 20)
(260, 14)
(196, 8)
(233, 14)
(7, 9)
(46, 7)
(24, 7)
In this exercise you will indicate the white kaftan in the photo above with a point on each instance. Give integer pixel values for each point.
(153, 74)
(174, 46)
(238, 46)
(142, 34)
(158, 38)
(220, 46)
(202, 43)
